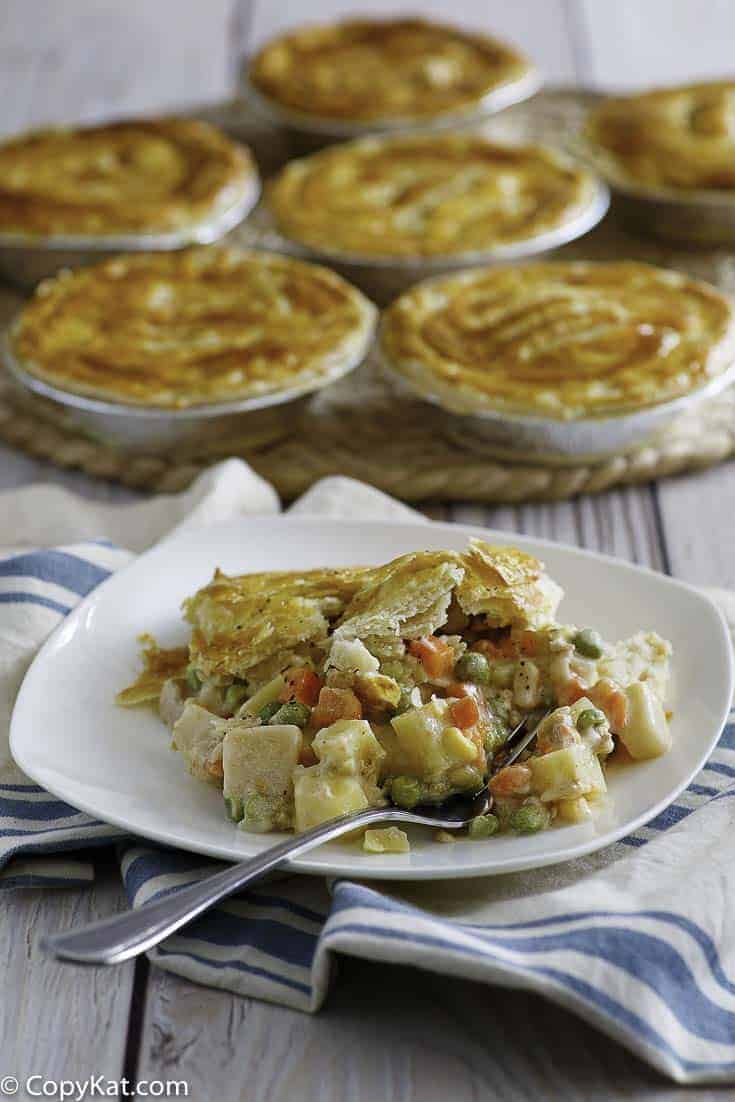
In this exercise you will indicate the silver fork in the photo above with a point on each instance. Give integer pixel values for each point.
(113, 940)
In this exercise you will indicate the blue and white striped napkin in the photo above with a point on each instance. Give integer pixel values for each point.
(637, 939)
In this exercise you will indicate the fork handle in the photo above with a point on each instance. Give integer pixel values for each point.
(113, 940)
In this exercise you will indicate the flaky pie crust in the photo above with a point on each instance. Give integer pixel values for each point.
(561, 340)
(181, 329)
(680, 138)
(369, 70)
(445, 195)
(128, 177)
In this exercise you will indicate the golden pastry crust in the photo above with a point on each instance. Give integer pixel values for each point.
(181, 329)
(507, 585)
(679, 138)
(137, 176)
(561, 340)
(445, 195)
(371, 70)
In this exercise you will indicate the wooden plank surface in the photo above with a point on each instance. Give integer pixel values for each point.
(385, 1034)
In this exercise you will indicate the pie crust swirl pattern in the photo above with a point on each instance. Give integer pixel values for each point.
(175, 330)
(673, 138)
(138, 176)
(562, 340)
(426, 196)
(393, 69)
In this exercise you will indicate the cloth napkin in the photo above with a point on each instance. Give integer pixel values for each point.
(637, 939)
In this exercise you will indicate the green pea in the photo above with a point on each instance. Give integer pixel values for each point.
(529, 818)
(588, 643)
(405, 792)
(266, 713)
(233, 808)
(292, 712)
(473, 667)
(495, 735)
(484, 826)
(590, 717)
(193, 680)
(234, 696)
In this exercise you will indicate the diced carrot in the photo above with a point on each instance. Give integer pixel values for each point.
(302, 684)
(436, 656)
(464, 712)
(528, 643)
(463, 688)
(572, 691)
(335, 704)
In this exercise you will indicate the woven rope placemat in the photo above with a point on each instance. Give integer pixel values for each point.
(360, 428)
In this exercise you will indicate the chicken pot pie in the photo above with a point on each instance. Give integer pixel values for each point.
(305, 696)
(680, 139)
(559, 340)
(387, 72)
(182, 329)
(441, 196)
(156, 176)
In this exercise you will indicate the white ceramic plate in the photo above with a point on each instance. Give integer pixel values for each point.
(69, 736)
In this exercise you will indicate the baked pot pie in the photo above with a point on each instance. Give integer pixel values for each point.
(71, 195)
(670, 152)
(572, 351)
(347, 78)
(304, 696)
(180, 330)
(447, 196)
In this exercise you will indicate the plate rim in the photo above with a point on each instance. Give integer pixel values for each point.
(347, 867)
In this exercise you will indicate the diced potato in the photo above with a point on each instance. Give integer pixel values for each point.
(431, 745)
(267, 694)
(420, 732)
(646, 732)
(386, 840)
(349, 748)
(258, 765)
(574, 810)
(352, 656)
(526, 684)
(571, 771)
(320, 795)
(171, 702)
(198, 735)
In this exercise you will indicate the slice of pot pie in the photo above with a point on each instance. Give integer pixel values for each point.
(181, 329)
(680, 138)
(417, 196)
(384, 71)
(559, 339)
(308, 695)
(132, 177)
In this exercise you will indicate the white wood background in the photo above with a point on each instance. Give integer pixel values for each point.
(386, 1034)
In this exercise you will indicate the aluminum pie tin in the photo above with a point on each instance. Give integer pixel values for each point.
(532, 438)
(382, 278)
(686, 217)
(314, 131)
(26, 259)
(147, 430)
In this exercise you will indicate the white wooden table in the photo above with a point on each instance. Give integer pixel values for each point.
(386, 1033)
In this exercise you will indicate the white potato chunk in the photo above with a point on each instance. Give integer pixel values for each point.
(574, 810)
(646, 733)
(171, 702)
(386, 840)
(258, 764)
(198, 735)
(431, 745)
(569, 772)
(320, 795)
(526, 684)
(351, 656)
(349, 748)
